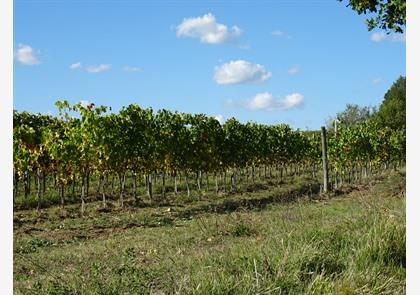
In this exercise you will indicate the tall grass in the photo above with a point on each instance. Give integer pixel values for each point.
(350, 244)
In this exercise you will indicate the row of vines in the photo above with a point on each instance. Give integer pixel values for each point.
(85, 142)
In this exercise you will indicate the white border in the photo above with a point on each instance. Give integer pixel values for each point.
(413, 146)
(6, 144)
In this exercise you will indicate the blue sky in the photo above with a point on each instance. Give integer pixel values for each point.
(295, 62)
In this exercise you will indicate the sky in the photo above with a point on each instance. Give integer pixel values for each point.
(294, 62)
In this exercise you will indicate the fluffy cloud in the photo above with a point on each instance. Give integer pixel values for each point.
(240, 72)
(381, 36)
(131, 69)
(76, 66)
(207, 30)
(267, 102)
(262, 101)
(98, 68)
(293, 70)
(26, 55)
(291, 101)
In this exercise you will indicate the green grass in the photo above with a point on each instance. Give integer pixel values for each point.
(260, 242)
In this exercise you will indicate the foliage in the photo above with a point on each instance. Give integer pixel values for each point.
(389, 15)
(352, 115)
(391, 112)
(84, 140)
(366, 144)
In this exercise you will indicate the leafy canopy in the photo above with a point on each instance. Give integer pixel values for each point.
(392, 110)
(388, 15)
(352, 115)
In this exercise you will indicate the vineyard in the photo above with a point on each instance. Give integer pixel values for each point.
(86, 153)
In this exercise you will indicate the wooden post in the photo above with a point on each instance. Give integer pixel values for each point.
(335, 167)
(335, 127)
(324, 157)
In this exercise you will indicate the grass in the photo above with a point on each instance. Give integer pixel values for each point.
(260, 242)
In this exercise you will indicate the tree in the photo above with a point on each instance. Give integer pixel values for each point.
(352, 115)
(392, 110)
(388, 15)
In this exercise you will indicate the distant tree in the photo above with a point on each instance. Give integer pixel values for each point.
(392, 110)
(388, 15)
(352, 115)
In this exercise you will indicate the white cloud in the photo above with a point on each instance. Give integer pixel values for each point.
(277, 33)
(98, 68)
(207, 30)
(26, 55)
(267, 102)
(75, 66)
(293, 70)
(219, 118)
(262, 101)
(291, 101)
(376, 81)
(131, 69)
(381, 36)
(240, 72)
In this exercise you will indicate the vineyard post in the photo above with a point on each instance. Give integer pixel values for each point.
(335, 167)
(324, 157)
